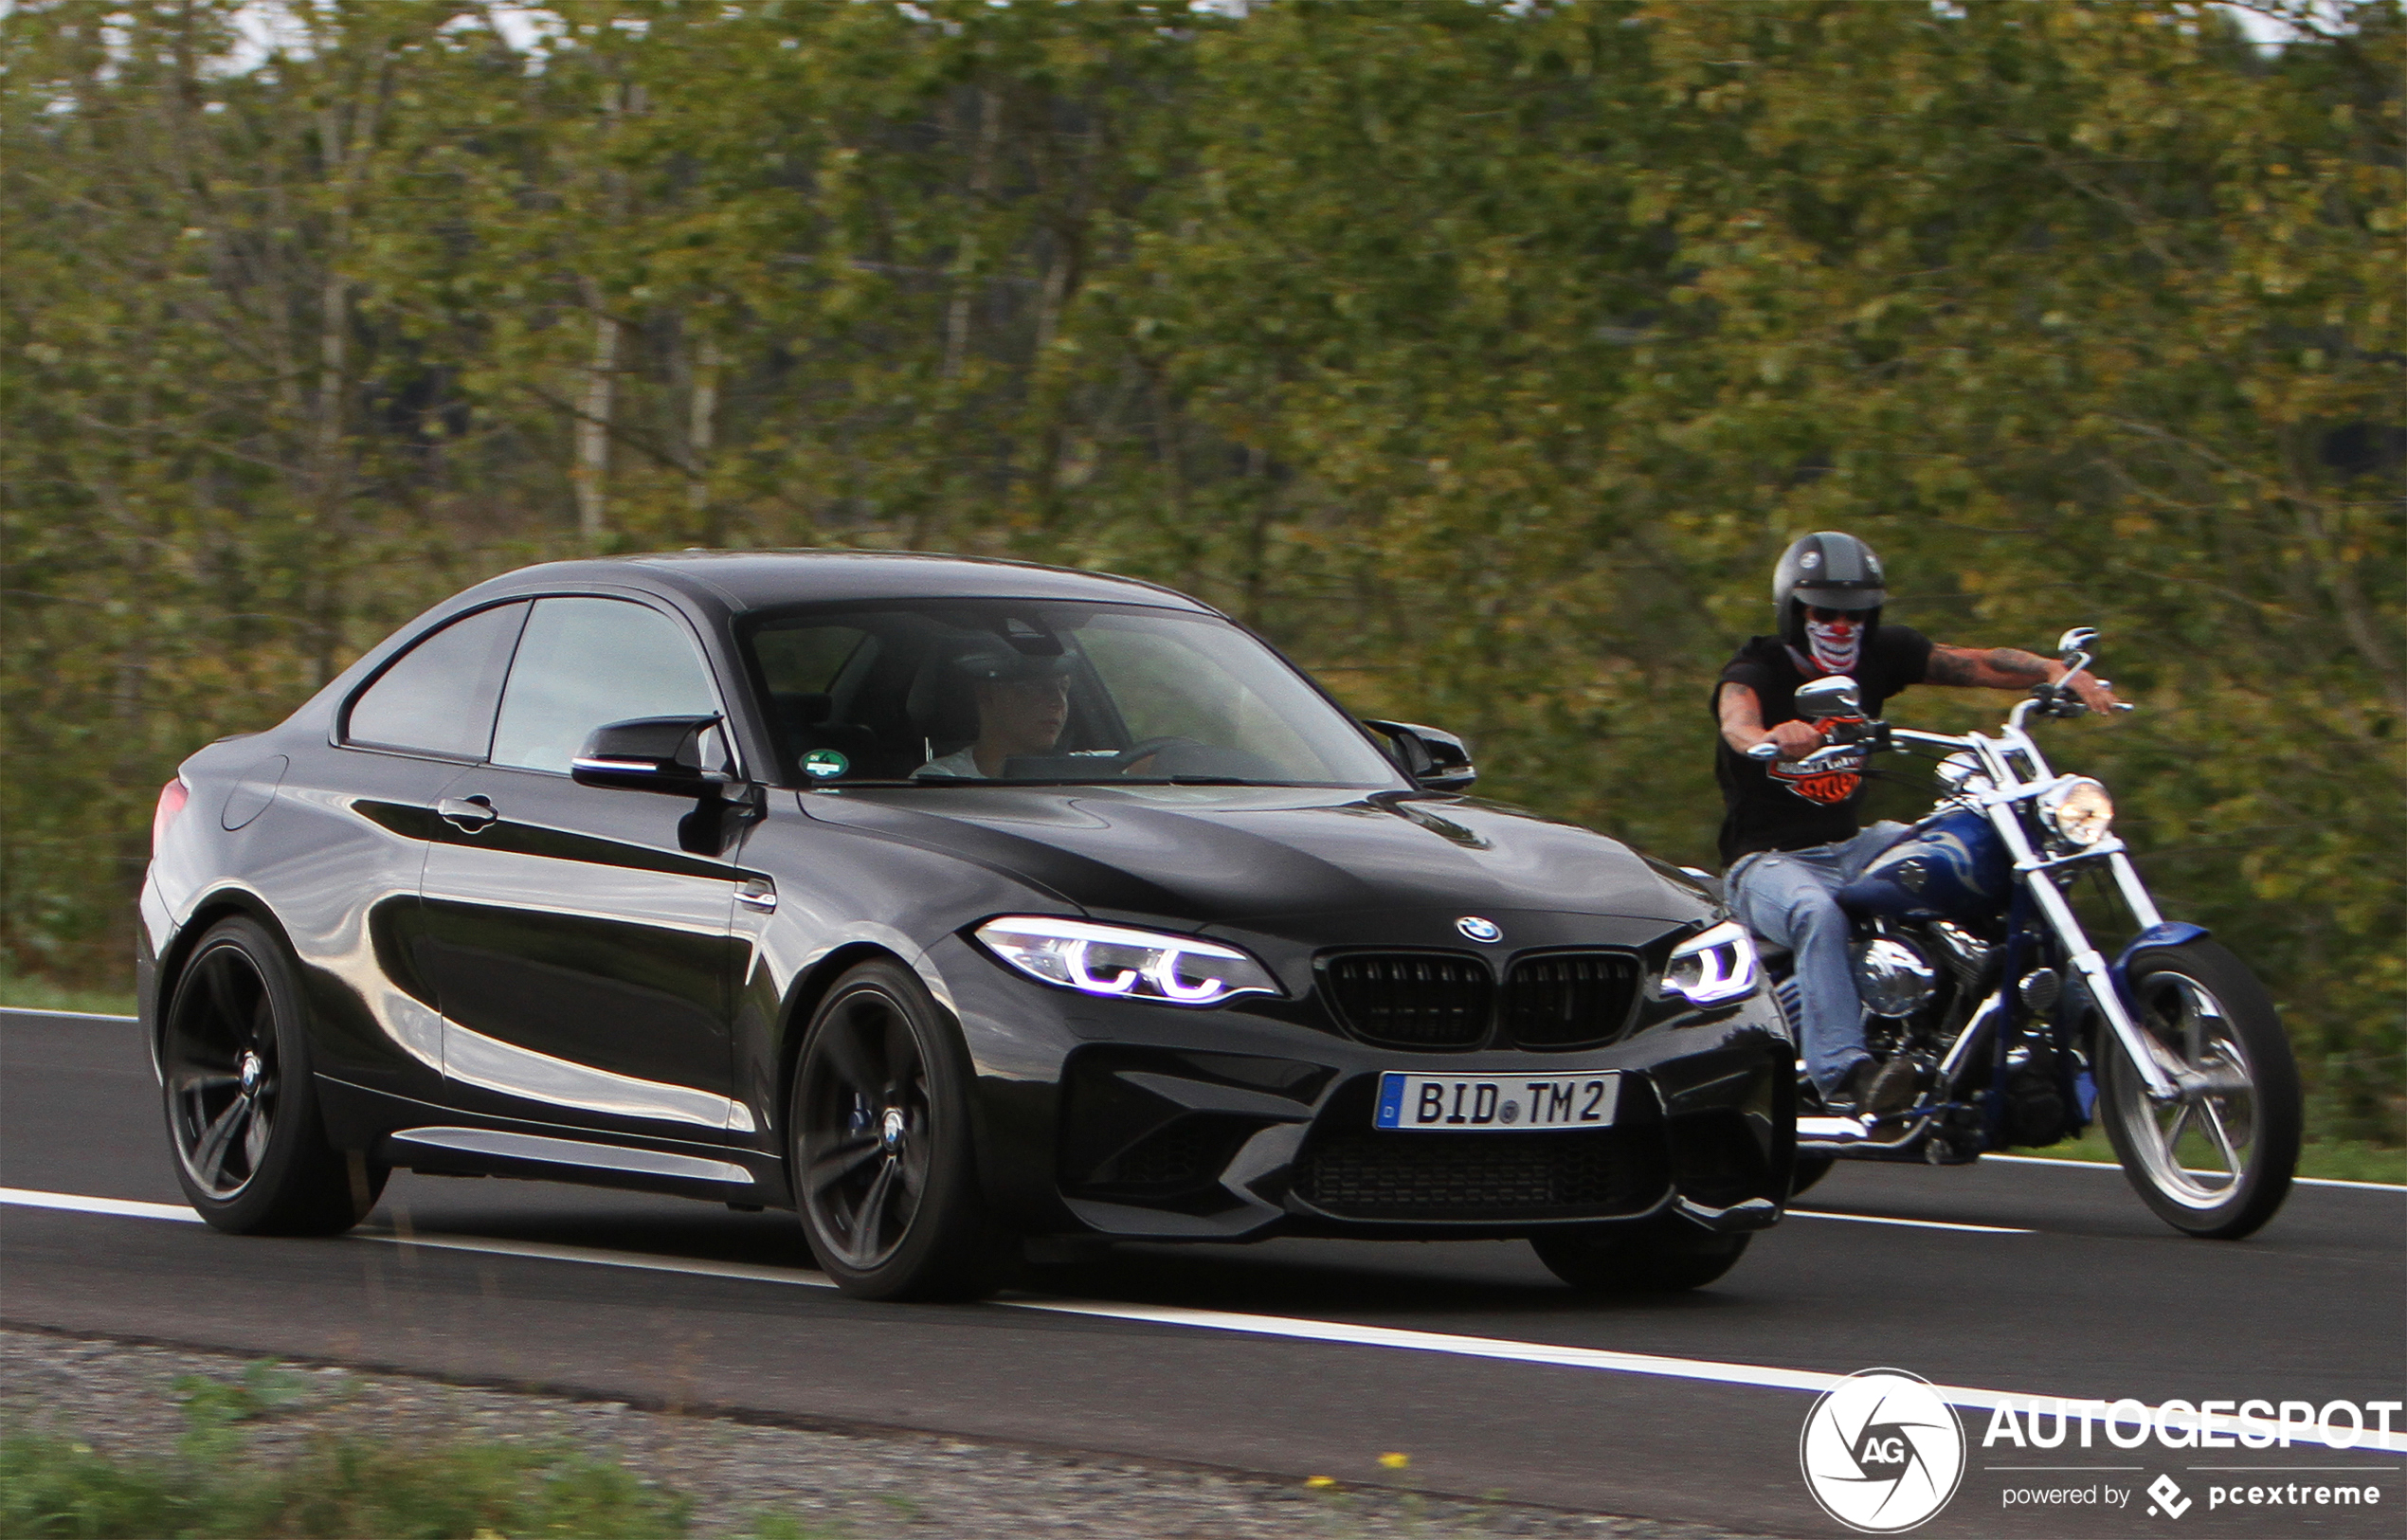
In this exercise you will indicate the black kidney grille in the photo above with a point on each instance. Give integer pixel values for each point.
(1569, 999)
(1413, 999)
(1476, 1176)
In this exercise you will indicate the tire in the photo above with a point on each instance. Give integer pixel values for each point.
(881, 1149)
(1662, 1255)
(1809, 1169)
(2216, 1164)
(242, 1108)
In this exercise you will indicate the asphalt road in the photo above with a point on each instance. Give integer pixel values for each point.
(1293, 1358)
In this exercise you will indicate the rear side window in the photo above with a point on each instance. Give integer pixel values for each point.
(584, 663)
(439, 697)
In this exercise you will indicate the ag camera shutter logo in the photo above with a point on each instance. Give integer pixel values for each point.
(1881, 1452)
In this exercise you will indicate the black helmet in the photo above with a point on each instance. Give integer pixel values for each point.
(1829, 570)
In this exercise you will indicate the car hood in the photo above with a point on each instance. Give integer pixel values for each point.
(1218, 855)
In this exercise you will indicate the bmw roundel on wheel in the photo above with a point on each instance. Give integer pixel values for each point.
(952, 905)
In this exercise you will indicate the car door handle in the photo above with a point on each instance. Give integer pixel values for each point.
(470, 814)
(757, 893)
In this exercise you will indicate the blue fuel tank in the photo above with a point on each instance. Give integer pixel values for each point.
(1951, 866)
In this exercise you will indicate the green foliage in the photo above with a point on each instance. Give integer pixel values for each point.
(1482, 355)
(214, 1407)
(22, 993)
(339, 1488)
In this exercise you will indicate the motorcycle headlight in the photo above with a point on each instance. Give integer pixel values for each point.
(1136, 965)
(1713, 966)
(2079, 811)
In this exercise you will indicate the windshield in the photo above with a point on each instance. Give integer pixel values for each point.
(947, 692)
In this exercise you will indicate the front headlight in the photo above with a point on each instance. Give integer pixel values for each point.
(1137, 964)
(1713, 966)
(2079, 811)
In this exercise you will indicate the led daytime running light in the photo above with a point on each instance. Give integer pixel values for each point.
(1713, 967)
(1113, 961)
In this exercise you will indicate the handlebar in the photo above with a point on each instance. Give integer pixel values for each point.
(1838, 735)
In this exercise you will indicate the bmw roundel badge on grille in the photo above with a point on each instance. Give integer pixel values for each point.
(1480, 929)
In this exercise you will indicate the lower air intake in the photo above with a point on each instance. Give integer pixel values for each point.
(1483, 1176)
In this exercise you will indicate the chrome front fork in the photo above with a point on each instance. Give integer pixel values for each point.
(2092, 964)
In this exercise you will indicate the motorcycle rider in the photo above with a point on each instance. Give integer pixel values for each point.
(1790, 838)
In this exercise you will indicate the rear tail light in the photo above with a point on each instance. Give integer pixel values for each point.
(172, 797)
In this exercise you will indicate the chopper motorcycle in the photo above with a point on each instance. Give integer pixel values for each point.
(1974, 967)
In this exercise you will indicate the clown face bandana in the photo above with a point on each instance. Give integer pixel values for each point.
(1836, 645)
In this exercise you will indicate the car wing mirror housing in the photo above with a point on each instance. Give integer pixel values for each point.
(1836, 696)
(1436, 759)
(684, 756)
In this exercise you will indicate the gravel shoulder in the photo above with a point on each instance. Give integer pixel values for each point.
(120, 1399)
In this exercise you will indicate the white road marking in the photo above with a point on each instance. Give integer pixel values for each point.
(1917, 1223)
(78, 1204)
(1346, 1333)
(2108, 1166)
(2012, 1160)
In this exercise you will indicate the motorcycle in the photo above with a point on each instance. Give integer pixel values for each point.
(1975, 968)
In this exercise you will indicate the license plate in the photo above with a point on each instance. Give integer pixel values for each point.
(1496, 1103)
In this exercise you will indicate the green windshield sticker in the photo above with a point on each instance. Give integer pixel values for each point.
(824, 764)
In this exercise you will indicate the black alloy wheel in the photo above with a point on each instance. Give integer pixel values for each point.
(1657, 1256)
(251, 1147)
(881, 1144)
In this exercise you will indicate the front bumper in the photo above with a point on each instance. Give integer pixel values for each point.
(1129, 1120)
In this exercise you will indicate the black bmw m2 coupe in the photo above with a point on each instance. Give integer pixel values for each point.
(955, 905)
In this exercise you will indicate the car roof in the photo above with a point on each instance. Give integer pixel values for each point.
(748, 580)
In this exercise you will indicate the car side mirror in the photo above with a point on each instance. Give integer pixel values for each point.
(1436, 759)
(682, 755)
(1836, 696)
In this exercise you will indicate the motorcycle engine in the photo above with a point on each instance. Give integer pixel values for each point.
(1892, 976)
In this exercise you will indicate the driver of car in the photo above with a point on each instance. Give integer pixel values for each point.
(1023, 703)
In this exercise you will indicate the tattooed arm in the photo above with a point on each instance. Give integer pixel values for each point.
(1742, 714)
(2010, 668)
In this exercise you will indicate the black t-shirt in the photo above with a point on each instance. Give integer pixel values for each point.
(1770, 805)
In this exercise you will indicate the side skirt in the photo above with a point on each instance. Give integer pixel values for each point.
(443, 1141)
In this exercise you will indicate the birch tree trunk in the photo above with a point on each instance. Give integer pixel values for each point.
(594, 404)
(702, 429)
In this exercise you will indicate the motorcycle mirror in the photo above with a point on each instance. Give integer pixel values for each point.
(2080, 639)
(1834, 697)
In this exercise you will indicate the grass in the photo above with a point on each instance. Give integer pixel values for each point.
(2342, 1160)
(340, 1486)
(22, 993)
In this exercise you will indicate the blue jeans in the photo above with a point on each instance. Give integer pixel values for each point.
(1788, 897)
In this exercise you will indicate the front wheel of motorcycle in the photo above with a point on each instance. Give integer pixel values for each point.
(2215, 1160)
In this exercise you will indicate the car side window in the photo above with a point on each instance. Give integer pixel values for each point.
(438, 696)
(586, 663)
